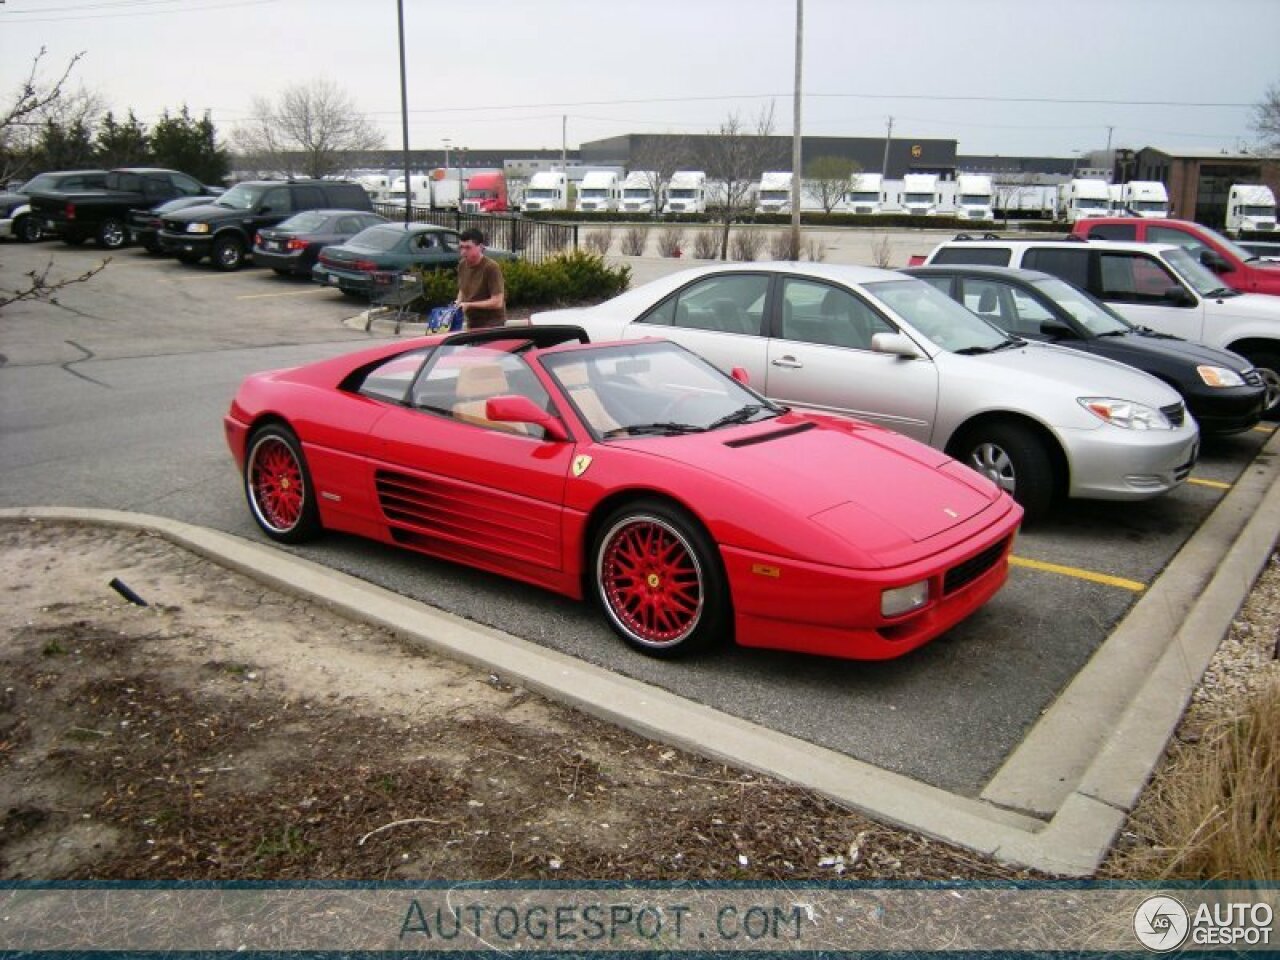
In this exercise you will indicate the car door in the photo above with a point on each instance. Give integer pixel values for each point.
(720, 317)
(485, 492)
(1146, 292)
(820, 357)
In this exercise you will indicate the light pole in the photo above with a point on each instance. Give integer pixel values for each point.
(404, 114)
(447, 141)
(796, 136)
(462, 186)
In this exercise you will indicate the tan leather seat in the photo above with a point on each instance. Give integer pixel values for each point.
(476, 384)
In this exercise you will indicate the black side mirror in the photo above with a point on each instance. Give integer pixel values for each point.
(1057, 330)
(1179, 297)
(1214, 261)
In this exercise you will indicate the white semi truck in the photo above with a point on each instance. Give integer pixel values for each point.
(599, 191)
(973, 197)
(864, 194)
(1146, 198)
(774, 194)
(1251, 208)
(547, 190)
(920, 194)
(1083, 198)
(687, 192)
(637, 192)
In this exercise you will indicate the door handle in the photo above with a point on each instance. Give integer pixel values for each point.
(789, 362)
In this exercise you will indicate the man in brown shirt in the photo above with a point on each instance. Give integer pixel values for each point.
(481, 293)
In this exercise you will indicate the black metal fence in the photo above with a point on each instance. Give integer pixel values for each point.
(533, 240)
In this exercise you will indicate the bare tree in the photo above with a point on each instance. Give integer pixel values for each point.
(659, 158)
(313, 129)
(38, 286)
(736, 155)
(828, 180)
(1266, 117)
(28, 110)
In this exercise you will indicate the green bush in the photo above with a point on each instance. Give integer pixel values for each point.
(571, 277)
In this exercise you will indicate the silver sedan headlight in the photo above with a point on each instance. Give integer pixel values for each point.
(197, 228)
(1219, 376)
(1126, 413)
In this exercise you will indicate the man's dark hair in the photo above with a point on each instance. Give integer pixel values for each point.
(473, 235)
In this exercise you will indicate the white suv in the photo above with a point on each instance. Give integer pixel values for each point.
(1160, 286)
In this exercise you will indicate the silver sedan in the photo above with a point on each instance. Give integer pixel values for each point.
(1037, 419)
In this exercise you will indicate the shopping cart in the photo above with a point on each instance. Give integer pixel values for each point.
(394, 293)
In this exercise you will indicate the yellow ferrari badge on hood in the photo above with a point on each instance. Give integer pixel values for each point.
(580, 464)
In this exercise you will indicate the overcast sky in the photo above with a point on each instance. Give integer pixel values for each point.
(1013, 77)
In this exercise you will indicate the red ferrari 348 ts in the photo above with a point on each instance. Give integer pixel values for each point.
(691, 507)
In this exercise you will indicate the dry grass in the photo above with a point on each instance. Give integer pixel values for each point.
(671, 241)
(780, 246)
(634, 241)
(882, 252)
(598, 241)
(706, 244)
(746, 243)
(1217, 816)
(815, 250)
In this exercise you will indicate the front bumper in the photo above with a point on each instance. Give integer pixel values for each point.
(1111, 463)
(1227, 410)
(191, 244)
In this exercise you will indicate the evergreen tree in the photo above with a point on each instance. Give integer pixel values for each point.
(122, 144)
(64, 146)
(182, 143)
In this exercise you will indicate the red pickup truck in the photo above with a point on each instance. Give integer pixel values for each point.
(1238, 268)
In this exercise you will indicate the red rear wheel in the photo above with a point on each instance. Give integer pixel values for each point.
(278, 486)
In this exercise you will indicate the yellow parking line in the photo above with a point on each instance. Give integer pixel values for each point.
(1079, 574)
(287, 293)
(1265, 428)
(1216, 484)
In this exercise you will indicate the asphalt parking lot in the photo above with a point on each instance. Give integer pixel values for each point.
(114, 397)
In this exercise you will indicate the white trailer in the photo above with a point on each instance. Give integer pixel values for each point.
(1115, 192)
(864, 194)
(1083, 198)
(599, 191)
(774, 194)
(547, 190)
(687, 192)
(637, 192)
(1251, 208)
(920, 194)
(1146, 198)
(973, 197)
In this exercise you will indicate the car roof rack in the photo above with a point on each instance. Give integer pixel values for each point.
(1068, 237)
(538, 337)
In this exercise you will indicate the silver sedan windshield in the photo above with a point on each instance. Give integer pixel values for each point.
(934, 314)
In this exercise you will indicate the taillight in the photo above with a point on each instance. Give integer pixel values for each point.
(365, 265)
(257, 239)
(71, 211)
(296, 244)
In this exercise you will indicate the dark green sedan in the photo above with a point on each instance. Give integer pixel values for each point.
(376, 254)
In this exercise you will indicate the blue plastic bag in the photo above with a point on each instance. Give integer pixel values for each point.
(448, 318)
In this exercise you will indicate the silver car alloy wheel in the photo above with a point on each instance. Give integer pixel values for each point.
(991, 460)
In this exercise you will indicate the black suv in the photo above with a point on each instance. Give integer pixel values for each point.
(223, 230)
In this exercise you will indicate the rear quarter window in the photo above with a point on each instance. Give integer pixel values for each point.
(1113, 231)
(987, 256)
(348, 196)
(1069, 265)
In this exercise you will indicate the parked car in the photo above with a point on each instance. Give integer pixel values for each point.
(76, 215)
(1238, 268)
(691, 508)
(1159, 286)
(224, 230)
(16, 219)
(293, 246)
(1222, 390)
(144, 225)
(354, 267)
(1039, 420)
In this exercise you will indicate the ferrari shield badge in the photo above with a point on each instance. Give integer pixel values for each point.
(580, 464)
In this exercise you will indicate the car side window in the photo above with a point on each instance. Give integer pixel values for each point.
(308, 198)
(349, 225)
(1135, 278)
(823, 314)
(991, 301)
(960, 253)
(1069, 265)
(1113, 231)
(460, 387)
(276, 201)
(185, 186)
(390, 379)
(727, 303)
(425, 241)
(1178, 237)
(156, 189)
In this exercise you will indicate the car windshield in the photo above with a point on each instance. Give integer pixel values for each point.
(1097, 317)
(652, 389)
(1203, 280)
(1257, 211)
(541, 193)
(637, 193)
(1229, 245)
(917, 198)
(1149, 205)
(865, 196)
(937, 316)
(680, 193)
(976, 200)
(243, 197)
(380, 238)
(307, 222)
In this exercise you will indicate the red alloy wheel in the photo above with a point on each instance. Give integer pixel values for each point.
(651, 580)
(276, 484)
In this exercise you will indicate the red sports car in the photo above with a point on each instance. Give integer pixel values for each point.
(691, 507)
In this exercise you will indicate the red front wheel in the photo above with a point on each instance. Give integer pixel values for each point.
(278, 486)
(659, 579)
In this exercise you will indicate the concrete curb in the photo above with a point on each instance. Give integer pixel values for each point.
(1081, 827)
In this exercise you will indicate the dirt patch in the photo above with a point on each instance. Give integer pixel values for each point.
(227, 731)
